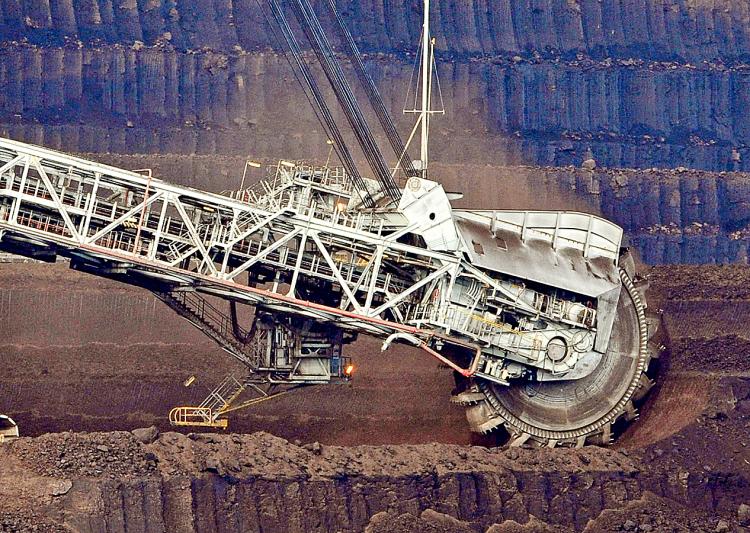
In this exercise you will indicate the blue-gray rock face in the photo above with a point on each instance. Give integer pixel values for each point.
(156, 100)
(649, 29)
(636, 83)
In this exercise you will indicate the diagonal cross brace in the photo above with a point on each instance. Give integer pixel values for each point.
(336, 272)
(58, 203)
(194, 235)
(402, 296)
(112, 225)
(262, 255)
(246, 233)
(12, 163)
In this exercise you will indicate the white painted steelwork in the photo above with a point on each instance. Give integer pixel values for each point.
(300, 244)
(8, 429)
(426, 82)
(510, 300)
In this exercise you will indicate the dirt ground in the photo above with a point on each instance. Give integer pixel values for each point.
(85, 354)
(117, 359)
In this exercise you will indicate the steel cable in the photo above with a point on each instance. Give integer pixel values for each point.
(312, 91)
(373, 94)
(333, 71)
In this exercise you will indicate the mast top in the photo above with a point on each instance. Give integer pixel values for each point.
(424, 109)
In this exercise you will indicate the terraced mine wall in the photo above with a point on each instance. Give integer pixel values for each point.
(157, 100)
(657, 29)
(650, 83)
(478, 499)
(262, 483)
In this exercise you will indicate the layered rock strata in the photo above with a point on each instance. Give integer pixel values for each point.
(653, 29)
(131, 99)
(261, 483)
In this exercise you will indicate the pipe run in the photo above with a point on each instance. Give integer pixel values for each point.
(419, 343)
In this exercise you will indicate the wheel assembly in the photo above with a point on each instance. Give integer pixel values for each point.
(589, 410)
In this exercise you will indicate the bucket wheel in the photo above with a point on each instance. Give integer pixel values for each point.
(590, 410)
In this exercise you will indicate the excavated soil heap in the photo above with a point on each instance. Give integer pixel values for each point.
(112, 482)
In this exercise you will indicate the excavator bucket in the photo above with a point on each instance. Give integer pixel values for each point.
(8, 428)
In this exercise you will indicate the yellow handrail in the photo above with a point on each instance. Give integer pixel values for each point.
(195, 416)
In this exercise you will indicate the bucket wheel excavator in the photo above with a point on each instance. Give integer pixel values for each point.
(540, 315)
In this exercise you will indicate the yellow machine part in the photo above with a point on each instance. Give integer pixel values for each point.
(196, 417)
(205, 417)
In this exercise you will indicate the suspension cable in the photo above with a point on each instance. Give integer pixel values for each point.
(376, 100)
(333, 71)
(314, 95)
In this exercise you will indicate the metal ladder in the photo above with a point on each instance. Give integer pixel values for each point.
(213, 322)
(208, 412)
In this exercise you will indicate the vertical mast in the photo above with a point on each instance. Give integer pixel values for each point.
(426, 82)
(425, 64)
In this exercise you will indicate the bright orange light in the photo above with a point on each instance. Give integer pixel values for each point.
(349, 370)
(341, 205)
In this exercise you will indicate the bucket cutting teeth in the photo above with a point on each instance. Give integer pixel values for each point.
(470, 396)
(575, 413)
(519, 440)
(630, 413)
(605, 437)
(644, 386)
(641, 287)
(482, 419)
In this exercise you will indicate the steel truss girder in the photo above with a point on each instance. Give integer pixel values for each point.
(94, 243)
(147, 227)
(104, 179)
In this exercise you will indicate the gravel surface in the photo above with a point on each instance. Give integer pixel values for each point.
(113, 454)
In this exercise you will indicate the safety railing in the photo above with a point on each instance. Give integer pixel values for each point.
(40, 222)
(196, 416)
(209, 314)
(223, 395)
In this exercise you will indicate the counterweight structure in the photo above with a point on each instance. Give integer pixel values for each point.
(536, 312)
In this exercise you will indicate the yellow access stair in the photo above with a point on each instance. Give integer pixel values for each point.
(208, 412)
